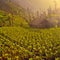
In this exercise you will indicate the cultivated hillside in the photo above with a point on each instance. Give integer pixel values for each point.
(29, 44)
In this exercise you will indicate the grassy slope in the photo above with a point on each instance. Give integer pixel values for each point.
(45, 41)
(10, 7)
(17, 20)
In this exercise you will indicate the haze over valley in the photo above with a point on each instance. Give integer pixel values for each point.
(38, 4)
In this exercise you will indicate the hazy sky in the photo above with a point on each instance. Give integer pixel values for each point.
(39, 4)
(44, 4)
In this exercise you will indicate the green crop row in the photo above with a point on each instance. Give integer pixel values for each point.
(29, 44)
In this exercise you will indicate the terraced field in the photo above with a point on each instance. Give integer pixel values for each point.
(29, 44)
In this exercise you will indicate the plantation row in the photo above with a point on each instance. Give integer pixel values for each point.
(29, 44)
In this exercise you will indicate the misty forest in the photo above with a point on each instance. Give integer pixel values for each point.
(27, 34)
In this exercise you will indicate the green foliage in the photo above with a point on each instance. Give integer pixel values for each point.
(19, 21)
(34, 44)
(5, 19)
(12, 20)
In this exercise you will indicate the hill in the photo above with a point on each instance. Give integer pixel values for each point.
(12, 7)
(14, 12)
(25, 44)
(7, 19)
(4, 5)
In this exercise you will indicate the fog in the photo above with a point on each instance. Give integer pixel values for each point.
(44, 4)
(38, 4)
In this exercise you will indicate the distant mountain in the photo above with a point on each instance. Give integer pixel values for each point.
(10, 6)
(24, 3)
(4, 5)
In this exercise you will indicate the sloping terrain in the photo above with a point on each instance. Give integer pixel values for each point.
(10, 6)
(4, 6)
(11, 14)
(7, 19)
(25, 44)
